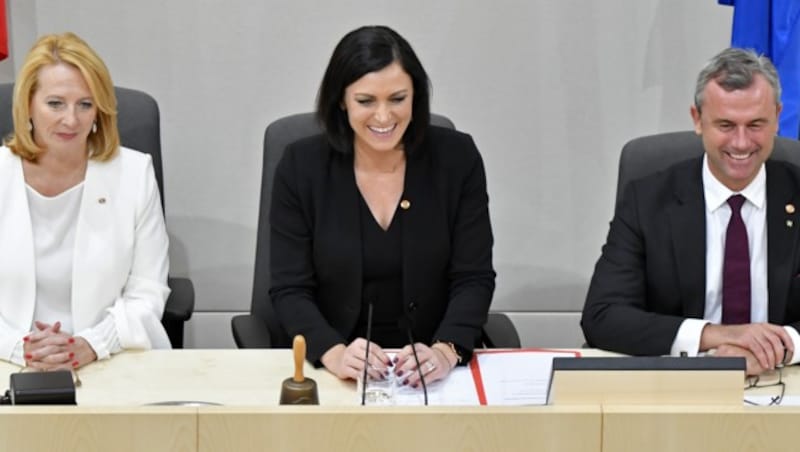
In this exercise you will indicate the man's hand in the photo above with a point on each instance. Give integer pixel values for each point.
(753, 367)
(768, 344)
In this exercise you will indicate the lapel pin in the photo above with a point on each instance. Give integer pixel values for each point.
(405, 204)
(101, 200)
(789, 223)
(790, 208)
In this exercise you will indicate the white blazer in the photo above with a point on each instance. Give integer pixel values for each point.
(120, 261)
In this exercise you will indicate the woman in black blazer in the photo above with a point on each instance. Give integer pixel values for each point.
(382, 213)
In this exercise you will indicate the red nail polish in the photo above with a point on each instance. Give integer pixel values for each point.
(75, 363)
(26, 339)
(28, 356)
(71, 340)
(71, 355)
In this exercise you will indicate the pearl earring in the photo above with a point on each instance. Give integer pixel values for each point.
(94, 127)
(30, 125)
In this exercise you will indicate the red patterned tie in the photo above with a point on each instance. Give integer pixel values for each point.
(736, 268)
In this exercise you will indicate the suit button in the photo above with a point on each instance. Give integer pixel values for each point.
(412, 306)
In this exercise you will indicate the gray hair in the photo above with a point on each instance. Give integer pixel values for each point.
(735, 69)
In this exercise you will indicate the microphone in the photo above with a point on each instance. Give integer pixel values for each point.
(406, 323)
(366, 356)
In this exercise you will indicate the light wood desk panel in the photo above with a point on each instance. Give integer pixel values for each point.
(401, 429)
(64, 428)
(700, 429)
(228, 377)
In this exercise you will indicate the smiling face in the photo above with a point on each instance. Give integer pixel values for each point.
(738, 129)
(379, 107)
(62, 109)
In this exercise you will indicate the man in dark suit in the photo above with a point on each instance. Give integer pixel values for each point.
(700, 258)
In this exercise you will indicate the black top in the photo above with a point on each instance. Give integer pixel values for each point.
(382, 256)
(316, 261)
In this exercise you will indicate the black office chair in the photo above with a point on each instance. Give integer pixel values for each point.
(649, 154)
(139, 128)
(261, 328)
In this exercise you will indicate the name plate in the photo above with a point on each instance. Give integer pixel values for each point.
(647, 380)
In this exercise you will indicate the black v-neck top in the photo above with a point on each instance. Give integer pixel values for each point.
(382, 260)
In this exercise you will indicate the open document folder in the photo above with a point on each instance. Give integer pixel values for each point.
(493, 377)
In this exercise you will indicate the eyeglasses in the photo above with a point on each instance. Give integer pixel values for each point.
(767, 380)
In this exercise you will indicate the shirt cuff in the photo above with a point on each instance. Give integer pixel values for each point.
(18, 354)
(103, 338)
(688, 338)
(793, 334)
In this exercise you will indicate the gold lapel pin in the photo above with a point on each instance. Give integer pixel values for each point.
(790, 208)
(405, 204)
(101, 200)
(789, 223)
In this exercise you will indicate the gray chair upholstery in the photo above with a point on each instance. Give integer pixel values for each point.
(261, 328)
(649, 154)
(139, 128)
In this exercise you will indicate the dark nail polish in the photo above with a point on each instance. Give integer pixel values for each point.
(399, 373)
(414, 386)
(405, 382)
(395, 360)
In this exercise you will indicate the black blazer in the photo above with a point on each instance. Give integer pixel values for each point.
(316, 257)
(651, 274)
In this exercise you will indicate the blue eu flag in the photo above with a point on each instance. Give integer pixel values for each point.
(772, 28)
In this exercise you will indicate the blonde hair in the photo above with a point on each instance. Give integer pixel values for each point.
(66, 48)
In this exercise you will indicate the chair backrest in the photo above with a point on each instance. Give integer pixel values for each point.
(277, 137)
(137, 119)
(647, 155)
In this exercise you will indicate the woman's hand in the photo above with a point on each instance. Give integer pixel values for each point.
(434, 361)
(48, 348)
(348, 361)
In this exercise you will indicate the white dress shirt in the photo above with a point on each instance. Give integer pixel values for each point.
(718, 214)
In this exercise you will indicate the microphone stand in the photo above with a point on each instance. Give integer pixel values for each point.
(366, 356)
(416, 360)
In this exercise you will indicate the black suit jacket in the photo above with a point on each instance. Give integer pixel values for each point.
(651, 274)
(316, 255)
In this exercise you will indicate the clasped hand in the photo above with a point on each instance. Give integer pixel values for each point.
(47, 348)
(349, 362)
(763, 345)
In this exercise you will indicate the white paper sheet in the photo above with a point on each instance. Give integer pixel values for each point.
(515, 377)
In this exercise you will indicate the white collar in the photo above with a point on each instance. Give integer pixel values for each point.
(717, 194)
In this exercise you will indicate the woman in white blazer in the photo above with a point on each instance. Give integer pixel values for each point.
(84, 267)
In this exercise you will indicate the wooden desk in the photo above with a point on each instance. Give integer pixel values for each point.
(123, 429)
(110, 415)
(401, 429)
(699, 429)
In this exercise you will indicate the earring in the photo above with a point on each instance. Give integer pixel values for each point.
(94, 127)
(30, 125)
